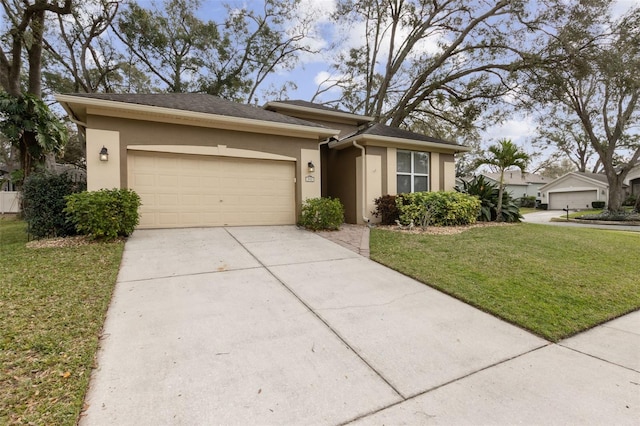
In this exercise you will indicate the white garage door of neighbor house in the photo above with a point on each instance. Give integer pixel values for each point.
(192, 190)
(575, 199)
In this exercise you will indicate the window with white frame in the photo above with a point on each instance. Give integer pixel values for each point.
(412, 171)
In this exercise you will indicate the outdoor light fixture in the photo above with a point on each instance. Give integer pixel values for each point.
(104, 154)
(311, 167)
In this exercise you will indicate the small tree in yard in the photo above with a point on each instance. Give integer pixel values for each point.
(31, 128)
(502, 156)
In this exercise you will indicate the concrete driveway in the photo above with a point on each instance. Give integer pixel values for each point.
(275, 325)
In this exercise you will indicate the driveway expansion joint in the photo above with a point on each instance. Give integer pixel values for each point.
(598, 358)
(191, 274)
(457, 379)
(319, 317)
(373, 305)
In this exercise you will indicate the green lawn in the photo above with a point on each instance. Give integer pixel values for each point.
(551, 280)
(52, 307)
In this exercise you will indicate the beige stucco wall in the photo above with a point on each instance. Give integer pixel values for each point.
(372, 187)
(103, 174)
(121, 133)
(311, 180)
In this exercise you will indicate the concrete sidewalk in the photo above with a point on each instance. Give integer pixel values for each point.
(274, 325)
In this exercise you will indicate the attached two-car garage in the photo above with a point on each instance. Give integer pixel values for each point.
(179, 190)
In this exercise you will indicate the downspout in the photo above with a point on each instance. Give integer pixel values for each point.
(364, 181)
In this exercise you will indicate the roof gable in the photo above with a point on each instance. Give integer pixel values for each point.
(594, 179)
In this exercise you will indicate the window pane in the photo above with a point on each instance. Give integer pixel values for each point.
(404, 184)
(421, 162)
(420, 183)
(404, 161)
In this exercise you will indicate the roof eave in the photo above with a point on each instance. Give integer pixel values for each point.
(213, 120)
(390, 141)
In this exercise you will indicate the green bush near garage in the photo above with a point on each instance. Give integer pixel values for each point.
(324, 213)
(43, 203)
(105, 214)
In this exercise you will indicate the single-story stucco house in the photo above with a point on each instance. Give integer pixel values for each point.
(198, 160)
(576, 190)
(520, 184)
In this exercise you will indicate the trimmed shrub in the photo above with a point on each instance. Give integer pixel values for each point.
(322, 213)
(598, 204)
(387, 209)
(43, 203)
(104, 214)
(527, 201)
(630, 200)
(438, 208)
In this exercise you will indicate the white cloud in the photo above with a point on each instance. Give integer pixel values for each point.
(517, 129)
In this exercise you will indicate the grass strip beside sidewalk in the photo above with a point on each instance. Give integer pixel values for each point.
(553, 281)
(52, 307)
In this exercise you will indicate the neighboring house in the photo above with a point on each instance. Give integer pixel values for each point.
(520, 184)
(198, 160)
(633, 180)
(576, 190)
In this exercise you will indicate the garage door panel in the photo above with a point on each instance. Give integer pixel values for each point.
(573, 199)
(187, 190)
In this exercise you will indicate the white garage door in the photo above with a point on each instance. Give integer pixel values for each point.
(192, 190)
(574, 199)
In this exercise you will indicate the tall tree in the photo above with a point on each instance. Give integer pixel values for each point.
(26, 26)
(500, 157)
(567, 137)
(170, 41)
(231, 57)
(448, 60)
(82, 55)
(597, 81)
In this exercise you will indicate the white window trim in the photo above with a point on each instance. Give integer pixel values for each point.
(412, 173)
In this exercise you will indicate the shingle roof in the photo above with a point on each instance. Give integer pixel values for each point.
(307, 104)
(199, 102)
(383, 130)
(515, 177)
(595, 176)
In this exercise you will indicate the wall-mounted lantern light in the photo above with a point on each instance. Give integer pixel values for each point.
(104, 154)
(311, 167)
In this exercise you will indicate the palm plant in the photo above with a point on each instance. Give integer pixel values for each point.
(487, 192)
(502, 156)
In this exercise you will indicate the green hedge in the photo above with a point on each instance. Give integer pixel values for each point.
(438, 208)
(43, 203)
(321, 213)
(104, 214)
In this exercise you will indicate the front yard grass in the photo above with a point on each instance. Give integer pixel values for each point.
(553, 281)
(52, 307)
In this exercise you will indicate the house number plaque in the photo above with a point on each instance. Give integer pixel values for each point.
(309, 179)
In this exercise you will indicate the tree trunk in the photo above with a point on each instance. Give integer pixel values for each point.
(616, 194)
(500, 194)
